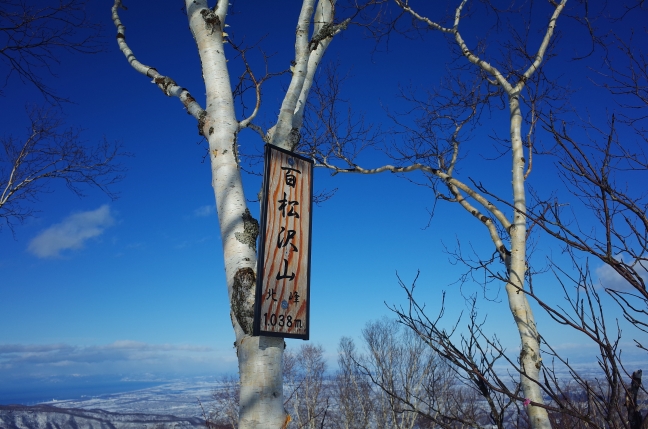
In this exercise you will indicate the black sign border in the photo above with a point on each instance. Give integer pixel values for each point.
(256, 329)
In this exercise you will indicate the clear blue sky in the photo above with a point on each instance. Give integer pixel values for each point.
(135, 287)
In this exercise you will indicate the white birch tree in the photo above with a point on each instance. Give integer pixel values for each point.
(259, 358)
(352, 389)
(310, 399)
(507, 231)
(401, 365)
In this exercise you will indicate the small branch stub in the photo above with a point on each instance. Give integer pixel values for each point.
(283, 281)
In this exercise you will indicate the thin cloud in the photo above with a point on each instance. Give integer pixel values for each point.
(65, 354)
(72, 233)
(189, 243)
(6, 349)
(204, 211)
(610, 279)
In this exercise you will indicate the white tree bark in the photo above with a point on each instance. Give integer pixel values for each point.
(530, 360)
(260, 358)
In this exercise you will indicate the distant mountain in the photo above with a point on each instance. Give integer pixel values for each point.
(48, 417)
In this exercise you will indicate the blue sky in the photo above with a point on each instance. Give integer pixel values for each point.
(135, 287)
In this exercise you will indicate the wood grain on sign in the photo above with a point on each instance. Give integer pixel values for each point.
(283, 274)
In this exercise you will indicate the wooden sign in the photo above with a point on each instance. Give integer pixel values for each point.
(283, 273)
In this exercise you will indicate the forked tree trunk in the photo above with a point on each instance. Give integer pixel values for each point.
(261, 400)
(259, 358)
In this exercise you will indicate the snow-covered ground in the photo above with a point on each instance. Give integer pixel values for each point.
(177, 398)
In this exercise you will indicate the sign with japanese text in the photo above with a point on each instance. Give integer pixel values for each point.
(283, 273)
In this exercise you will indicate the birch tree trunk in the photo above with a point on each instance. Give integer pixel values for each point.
(259, 358)
(530, 360)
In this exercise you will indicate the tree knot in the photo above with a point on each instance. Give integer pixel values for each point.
(327, 31)
(250, 230)
(165, 84)
(243, 291)
(294, 138)
(212, 21)
(201, 122)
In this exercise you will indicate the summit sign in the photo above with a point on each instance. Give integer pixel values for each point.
(283, 273)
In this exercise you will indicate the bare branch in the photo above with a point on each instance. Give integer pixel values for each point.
(165, 83)
(50, 151)
(33, 36)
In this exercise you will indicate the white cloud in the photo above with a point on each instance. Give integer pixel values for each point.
(120, 357)
(204, 211)
(71, 233)
(610, 279)
(63, 354)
